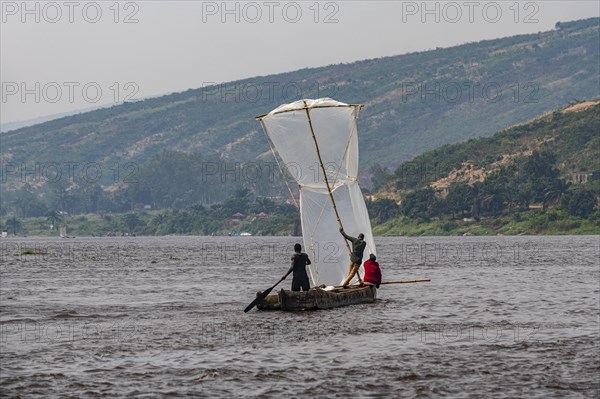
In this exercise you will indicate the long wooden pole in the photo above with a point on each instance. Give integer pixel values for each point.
(325, 175)
(419, 280)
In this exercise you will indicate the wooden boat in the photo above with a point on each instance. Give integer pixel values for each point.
(317, 298)
(291, 136)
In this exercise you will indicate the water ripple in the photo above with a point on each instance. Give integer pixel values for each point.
(503, 317)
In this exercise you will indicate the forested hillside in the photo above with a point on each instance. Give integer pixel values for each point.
(549, 165)
(415, 102)
(541, 177)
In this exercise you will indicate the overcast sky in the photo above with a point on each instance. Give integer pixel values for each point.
(62, 56)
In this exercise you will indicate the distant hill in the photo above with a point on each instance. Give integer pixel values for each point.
(415, 102)
(7, 127)
(571, 134)
(540, 177)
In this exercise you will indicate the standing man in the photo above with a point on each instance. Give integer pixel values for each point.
(358, 247)
(299, 262)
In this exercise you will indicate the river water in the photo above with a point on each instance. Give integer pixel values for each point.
(152, 317)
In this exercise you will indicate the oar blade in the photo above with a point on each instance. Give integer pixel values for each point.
(258, 299)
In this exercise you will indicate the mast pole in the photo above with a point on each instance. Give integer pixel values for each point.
(337, 215)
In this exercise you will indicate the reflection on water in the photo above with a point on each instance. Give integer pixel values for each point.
(502, 317)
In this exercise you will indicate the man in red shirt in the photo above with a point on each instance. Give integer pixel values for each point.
(372, 272)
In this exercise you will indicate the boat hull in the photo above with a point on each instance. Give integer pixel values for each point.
(317, 298)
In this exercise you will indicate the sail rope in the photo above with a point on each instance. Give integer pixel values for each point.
(262, 123)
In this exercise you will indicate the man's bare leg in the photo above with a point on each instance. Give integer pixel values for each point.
(351, 273)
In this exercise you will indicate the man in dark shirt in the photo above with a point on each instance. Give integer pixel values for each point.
(358, 247)
(299, 262)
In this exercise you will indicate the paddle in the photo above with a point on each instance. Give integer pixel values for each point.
(264, 294)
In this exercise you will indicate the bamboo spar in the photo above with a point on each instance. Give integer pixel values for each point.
(325, 175)
(419, 280)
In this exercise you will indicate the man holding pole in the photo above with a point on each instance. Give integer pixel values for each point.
(358, 247)
(299, 262)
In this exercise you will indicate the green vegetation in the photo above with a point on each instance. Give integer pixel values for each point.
(519, 181)
(571, 137)
(242, 212)
(170, 179)
(534, 222)
(538, 178)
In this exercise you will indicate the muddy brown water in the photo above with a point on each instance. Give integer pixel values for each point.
(152, 317)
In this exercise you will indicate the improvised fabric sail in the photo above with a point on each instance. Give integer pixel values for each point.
(311, 136)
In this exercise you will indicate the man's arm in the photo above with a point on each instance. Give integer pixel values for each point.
(346, 236)
(307, 260)
(290, 269)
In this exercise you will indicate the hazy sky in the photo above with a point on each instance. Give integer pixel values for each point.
(66, 55)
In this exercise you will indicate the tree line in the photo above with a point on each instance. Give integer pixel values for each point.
(170, 179)
(515, 187)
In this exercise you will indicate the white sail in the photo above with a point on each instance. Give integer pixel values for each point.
(310, 135)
